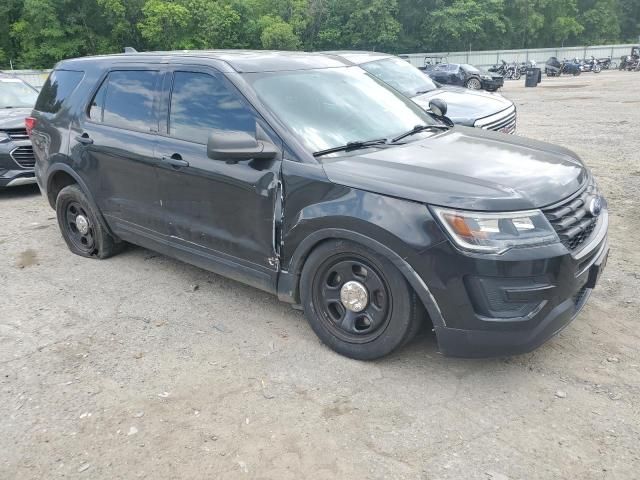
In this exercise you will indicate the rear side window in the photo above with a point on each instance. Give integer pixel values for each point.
(56, 89)
(201, 103)
(126, 100)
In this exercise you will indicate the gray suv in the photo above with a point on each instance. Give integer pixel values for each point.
(17, 98)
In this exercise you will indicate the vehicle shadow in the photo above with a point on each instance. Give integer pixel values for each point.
(422, 350)
(22, 191)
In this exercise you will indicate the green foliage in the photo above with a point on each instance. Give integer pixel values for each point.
(277, 34)
(466, 25)
(164, 24)
(39, 33)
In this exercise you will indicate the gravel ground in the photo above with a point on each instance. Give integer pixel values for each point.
(144, 367)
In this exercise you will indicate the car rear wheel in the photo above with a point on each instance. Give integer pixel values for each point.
(80, 227)
(474, 84)
(357, 301)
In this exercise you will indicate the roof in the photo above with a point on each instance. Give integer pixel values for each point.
(358, 57)
(237, 60)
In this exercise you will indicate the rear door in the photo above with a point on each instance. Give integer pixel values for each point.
(115, 146)
(222, 211)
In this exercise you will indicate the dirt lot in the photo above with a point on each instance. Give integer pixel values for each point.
(144, 367)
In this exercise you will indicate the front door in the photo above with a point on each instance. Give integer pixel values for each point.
(222, 212)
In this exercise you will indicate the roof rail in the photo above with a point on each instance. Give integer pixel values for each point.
(130, 50)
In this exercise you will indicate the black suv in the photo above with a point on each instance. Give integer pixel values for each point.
(304, 176)
(16, 156)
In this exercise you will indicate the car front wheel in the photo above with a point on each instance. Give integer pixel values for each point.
(474, 84)
(357, 301)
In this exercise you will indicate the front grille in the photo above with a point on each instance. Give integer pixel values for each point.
(24, 156)
(17, 134)
(505, 121)
(572, 220)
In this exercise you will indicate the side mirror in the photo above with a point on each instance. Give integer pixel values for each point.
(233, 145)
(438, 107)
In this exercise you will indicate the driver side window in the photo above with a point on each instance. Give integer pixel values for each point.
(201, 103)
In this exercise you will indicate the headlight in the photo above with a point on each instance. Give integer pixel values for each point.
(3, 136)
(496, 232)
(487, 77)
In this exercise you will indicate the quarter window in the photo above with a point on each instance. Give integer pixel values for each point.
(56, 89)
(95, 109)
(201, 103)
(126, 99)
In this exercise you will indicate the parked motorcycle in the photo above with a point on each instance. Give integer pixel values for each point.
(513, 72)
(555, 68)
(607, 64)
(591, 65)
(510, 71)
(630, 62)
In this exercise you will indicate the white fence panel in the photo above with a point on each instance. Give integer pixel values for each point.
(34, 77)
(540, 55)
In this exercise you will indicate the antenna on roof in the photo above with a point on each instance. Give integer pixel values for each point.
(130, 50)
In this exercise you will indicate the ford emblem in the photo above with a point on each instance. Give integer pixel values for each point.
(595, 206)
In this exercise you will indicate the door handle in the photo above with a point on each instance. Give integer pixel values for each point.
(85, 139)
(175, 161)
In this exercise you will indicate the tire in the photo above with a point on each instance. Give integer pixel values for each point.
(389, 317)
(517, 75)
(473, 83)
(84, 236)
(597, 69)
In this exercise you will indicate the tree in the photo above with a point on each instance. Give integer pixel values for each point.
(599, 25)
(465, 25)
(38, 33)
(42, 37)
(164, 24)
(277, 34)
(629, 20)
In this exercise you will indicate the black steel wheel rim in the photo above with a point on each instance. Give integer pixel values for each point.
(347, 325)
(83, 241)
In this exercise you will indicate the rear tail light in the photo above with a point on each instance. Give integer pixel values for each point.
(30, 124)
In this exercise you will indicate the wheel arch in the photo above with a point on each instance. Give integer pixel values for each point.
(61, 175)
(289, 281)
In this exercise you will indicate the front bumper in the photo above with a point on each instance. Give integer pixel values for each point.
(15, 178)
(512, 303)
(492, 84)
(12, 173)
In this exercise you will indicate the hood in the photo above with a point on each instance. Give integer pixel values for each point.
(466, 168)
(465, 106)
(13, 117)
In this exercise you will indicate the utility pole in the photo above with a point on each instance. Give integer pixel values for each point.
(526, 24)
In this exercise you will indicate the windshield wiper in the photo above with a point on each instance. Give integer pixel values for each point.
(421, 92)
(418, 129)
(351, 146)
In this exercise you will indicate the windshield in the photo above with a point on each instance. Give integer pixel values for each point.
(15, 93)
(400, 75)
(332, 107)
